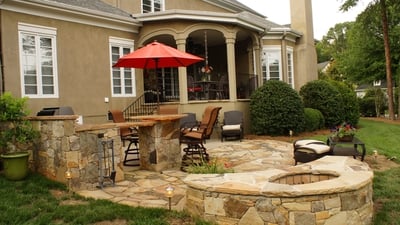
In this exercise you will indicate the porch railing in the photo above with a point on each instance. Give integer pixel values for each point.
(145, 104)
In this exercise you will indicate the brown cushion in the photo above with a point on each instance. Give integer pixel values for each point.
(193, 134)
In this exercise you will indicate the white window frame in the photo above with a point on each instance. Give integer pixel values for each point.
(266, 72)
(121, 43)
(152, 2)
(265, 66)
(38, 32)
(290, 70)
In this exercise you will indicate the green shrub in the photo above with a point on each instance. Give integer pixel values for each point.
(351, 108)
(325, 97)
(367, 106)
(275, 109)
(314, 119)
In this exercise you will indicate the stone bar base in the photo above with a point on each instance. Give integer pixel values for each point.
(159, 144)
(258, 198)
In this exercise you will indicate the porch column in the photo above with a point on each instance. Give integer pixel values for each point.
(182, 74)
(230, 52)
(257, 64)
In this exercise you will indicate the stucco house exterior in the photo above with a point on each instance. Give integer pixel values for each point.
(61, 52)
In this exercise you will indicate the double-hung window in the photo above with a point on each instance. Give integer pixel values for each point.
(122, 79)
(272, 64)
(38, 61)
(149, 6)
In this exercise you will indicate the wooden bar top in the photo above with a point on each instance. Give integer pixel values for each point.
(166, 117)
(84, 127)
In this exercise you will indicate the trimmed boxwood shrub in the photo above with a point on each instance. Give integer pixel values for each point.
(321, 95)
(314, 119)
(351, 108)
(275, 109)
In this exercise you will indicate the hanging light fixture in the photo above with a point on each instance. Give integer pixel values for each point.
(207, 68)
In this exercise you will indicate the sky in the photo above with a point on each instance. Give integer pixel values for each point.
(326, 13)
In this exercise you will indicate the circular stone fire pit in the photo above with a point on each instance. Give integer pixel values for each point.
(303, 178)
(331, 190)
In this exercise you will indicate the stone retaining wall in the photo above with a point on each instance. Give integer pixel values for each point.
(254, 197)
(65, 145)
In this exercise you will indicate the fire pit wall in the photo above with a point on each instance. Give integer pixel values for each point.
(331, 190)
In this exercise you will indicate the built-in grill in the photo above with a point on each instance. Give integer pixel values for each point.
(54, 111)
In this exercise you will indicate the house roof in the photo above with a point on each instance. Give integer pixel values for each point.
(97, 5)
(381, 84)
(323, 65)
(92, 12)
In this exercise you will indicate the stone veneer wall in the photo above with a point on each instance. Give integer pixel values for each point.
(65, 145)
(352, 207)
(254, 197)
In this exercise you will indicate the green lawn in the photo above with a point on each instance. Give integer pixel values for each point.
(385, 139)
(33, 201)
(38, 200)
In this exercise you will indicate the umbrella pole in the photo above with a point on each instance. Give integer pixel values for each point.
(158, 89)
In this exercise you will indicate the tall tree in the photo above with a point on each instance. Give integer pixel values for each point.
(351, 3)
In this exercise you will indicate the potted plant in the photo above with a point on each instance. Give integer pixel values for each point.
(344, 132)
(16, 133)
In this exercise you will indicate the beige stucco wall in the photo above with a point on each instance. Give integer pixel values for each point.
(82, 61)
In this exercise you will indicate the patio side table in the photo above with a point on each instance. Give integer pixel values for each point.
(347, 148)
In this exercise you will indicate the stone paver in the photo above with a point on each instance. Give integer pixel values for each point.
(146, 188)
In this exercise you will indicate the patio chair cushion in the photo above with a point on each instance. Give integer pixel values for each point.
(307, 150)
(231, 127)
(316, 148)
(308, 141)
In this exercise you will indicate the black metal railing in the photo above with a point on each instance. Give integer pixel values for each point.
(145, 104)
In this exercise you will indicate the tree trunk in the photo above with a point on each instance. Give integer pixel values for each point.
(388, 60)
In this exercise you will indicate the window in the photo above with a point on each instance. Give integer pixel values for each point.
(38, 61)
(122, 79)
(149, 6)
(272, 65)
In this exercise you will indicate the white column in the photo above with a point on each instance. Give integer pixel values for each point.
(182, 74)
(230, 52)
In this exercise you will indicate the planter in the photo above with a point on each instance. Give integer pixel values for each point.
(15, 165)
(346, 138)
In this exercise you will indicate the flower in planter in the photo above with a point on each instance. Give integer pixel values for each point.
(343, 130)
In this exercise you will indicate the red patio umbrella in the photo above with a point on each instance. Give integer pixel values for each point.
(157, 55)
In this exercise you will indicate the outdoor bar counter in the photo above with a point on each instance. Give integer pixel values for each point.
(159, 144)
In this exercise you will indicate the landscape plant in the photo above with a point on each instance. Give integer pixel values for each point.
(16, 130)
(214, 166)
(314, 120)
(322, 95)
(276, 109)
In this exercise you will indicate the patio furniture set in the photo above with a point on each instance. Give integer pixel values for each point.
(309, 150)
(193, 133)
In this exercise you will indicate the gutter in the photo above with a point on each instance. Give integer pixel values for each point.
(243, 19)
